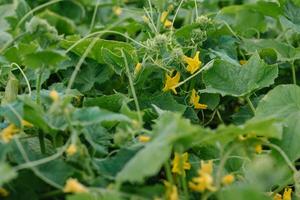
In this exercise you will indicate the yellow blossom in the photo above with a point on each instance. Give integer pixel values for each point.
(163, 19)
(277, 197)
(202, 183)
(137, 68)
(3, 192)
(193, 63)
(117, 10)
(146, 19)
(181, 163)
(194, 100)
(171, 191)
(242, 62)
(144, 138)
(172, 82)
(206, 167)
(258, 149)
(54, 95)
(71, 150)
(73, 186)
(27, 124)
(8, 133)
(287, 194)
(228, 179)
(204, 180)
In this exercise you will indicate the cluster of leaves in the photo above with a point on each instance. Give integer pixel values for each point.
(83, 97)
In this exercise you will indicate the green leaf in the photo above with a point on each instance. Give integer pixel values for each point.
(164, 101)
(57, 171)
(6, 173)
(44, 58)
(107, 195)
(96, 52)
(109, 102)
(246, 21)
(62, 24)
(94, 115)
(111, 166)
(291, 137)
(115, 61)
(146, 162)
(228, 79)
(12, 112)
(169, 130)
(281, 102)
(245, 192)
(284, 51)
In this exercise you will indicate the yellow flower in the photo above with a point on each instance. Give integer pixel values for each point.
(171, 191)
(258, 149)
(181, 163)
(3, 192)
(54, 95)
(8, 133)
(204, 181)
(277, 197)
(117, 10)
(172, 82)
(193, 63)
(228, 179)
(287, 194)
(146, 19)
(206, 167)
(144, 138)
(71, 150)
(73, 186)
(242, 62)
(194, 100)
(163, 19)
(137, 68)
(27, 124)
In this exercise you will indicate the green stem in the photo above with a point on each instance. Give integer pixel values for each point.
(294, 73)
(219, 116)
(80, 62)
(38, 86)
(185, 188)
(42, 142)
(133, 90)
(222, 164)
(94, 17)
(250, 104)
(284, 156)
(168, 172)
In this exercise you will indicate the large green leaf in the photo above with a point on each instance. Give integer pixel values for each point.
(281, 102)
(96, 52)
(244, 20)
(109, 102)
(291, 137)
(164, 101)
(284, 51)
(169, 129)
(94, 115)
(44, 58)
(245, 192)
(235, 80)
(146, 162)
(62, 24)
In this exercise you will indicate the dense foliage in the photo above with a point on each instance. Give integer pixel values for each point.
(149, 99)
